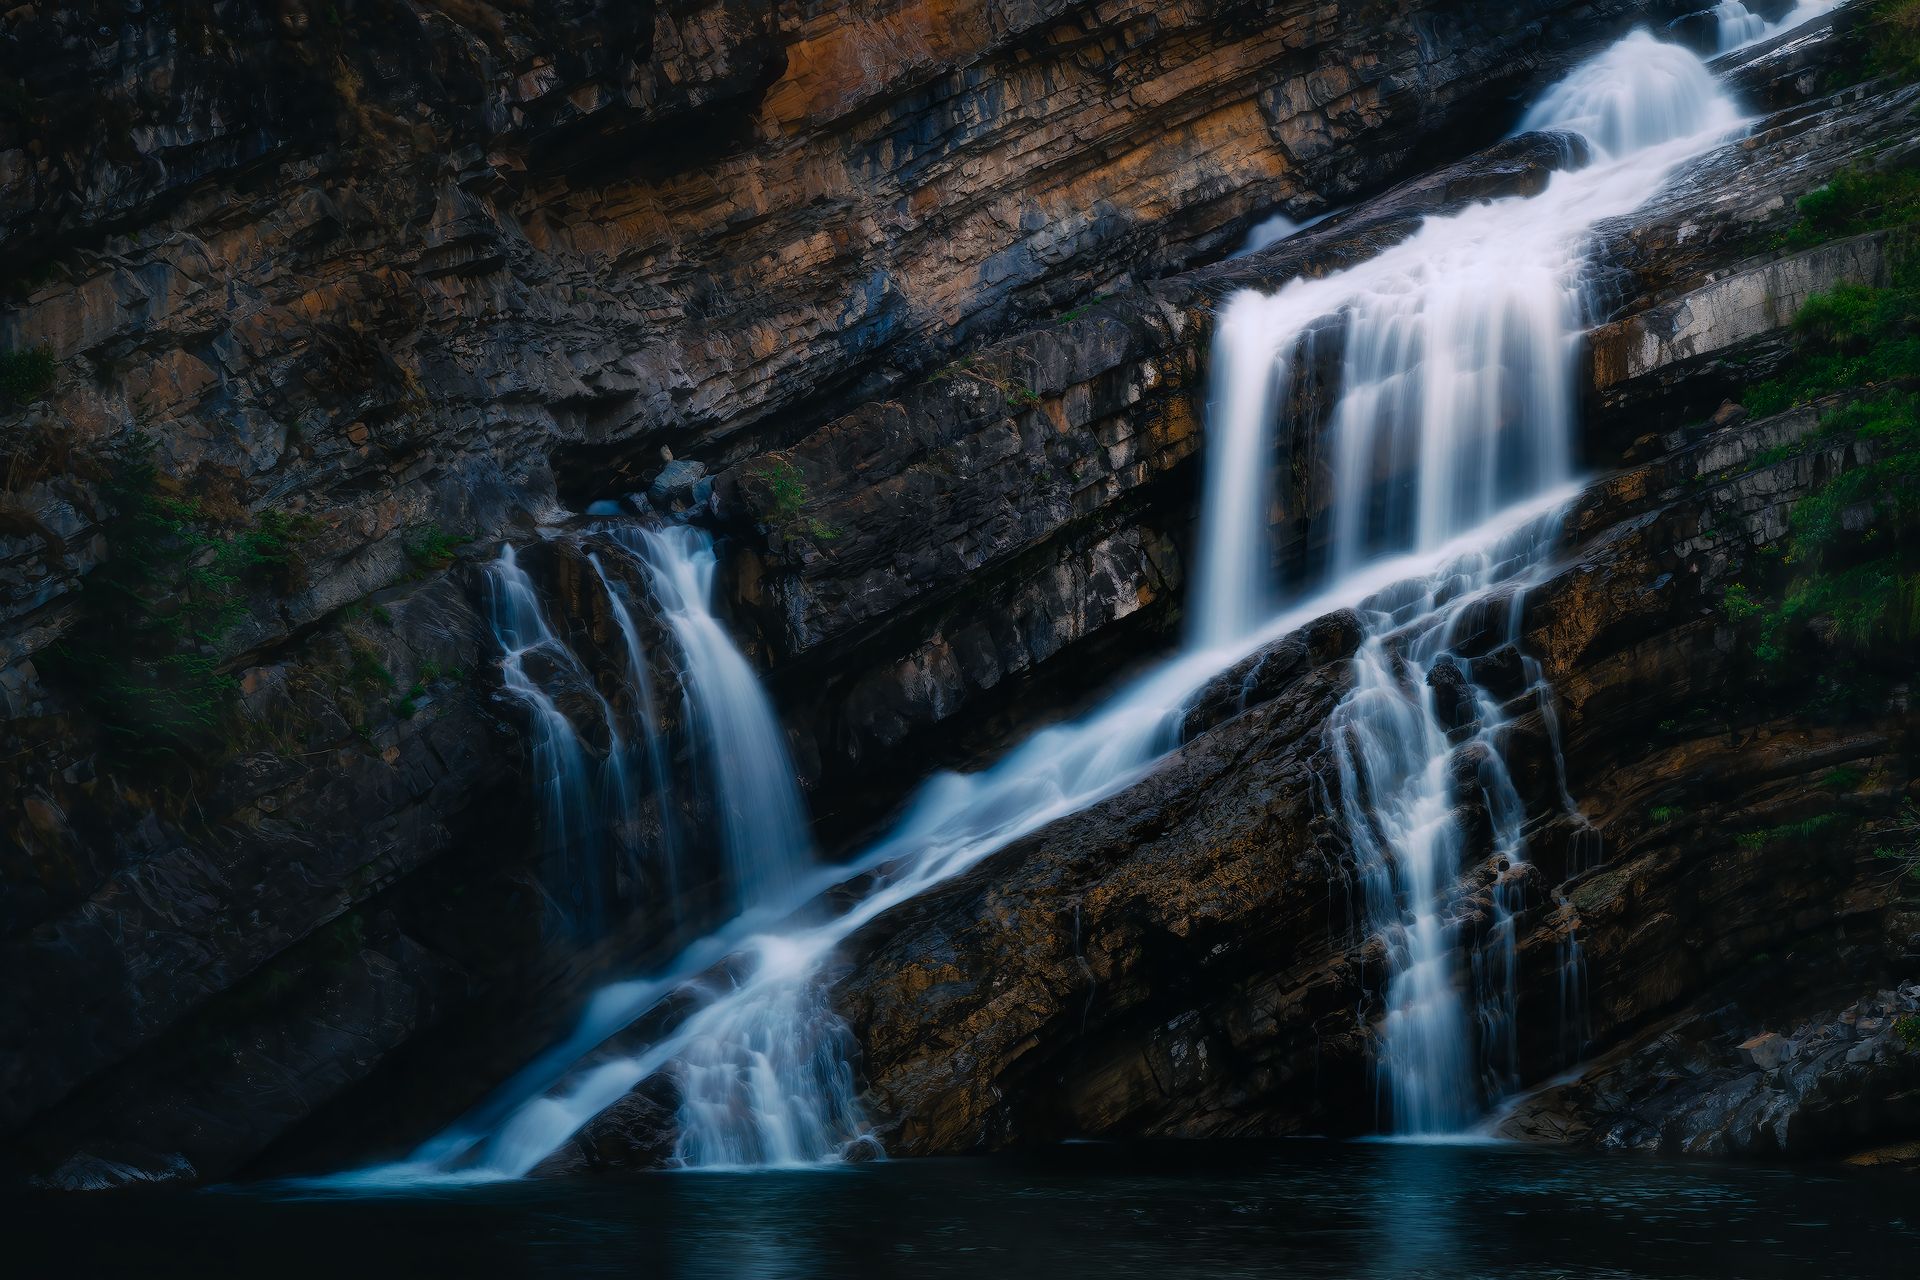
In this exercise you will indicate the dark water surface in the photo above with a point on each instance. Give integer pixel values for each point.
(1301, 1209)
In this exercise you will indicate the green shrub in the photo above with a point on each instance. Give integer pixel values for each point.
(1893, 32)
(787, 501)
(432, 548)
(25, 375)
(1740, 604)
(1074, 313)
(786, 489)
(1797, 832)
(1851, 558)
(1855, 201)
(142, 655)
(273, 546)
(367, 671)
(1849, 336)
(1845, 318)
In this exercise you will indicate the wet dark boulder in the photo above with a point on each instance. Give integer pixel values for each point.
(637, 1132)
(1453, 700)
(1721, 1082)
(1502, 673)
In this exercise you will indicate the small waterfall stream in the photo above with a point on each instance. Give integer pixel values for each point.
(1455, 402)
(748, 775)
(582, 806)
(1737, 24)
(652, 742)
(1452, 438)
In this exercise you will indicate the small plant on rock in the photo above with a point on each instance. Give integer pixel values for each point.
(1853, 202)
(1908, 1029)
(1903, 849)
(1894, 27)
(432, 548)
(787, 501)
(25, 375)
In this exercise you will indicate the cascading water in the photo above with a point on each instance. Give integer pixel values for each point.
(1737, 24)
(1455, 402)
(1456, 380)
(748, 776)
(1640, 95)
(651, 742)
(1412, 735)
(579, 804)
(1271, 231)
(1458, 376)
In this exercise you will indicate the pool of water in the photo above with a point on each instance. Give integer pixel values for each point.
(1299, 1209)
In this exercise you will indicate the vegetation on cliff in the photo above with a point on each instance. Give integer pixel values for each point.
(1847, 577)
(1855, 201)
(146, 655)
(1895, 28)
(25, 375)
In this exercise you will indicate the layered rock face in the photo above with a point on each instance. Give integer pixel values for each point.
(1183, 960)
(339, 297)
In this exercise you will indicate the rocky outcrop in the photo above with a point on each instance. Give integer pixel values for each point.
(347, 285)
(1159, 964)
(1179, 961)
(1183, 959)
(1719, 1082)
(909, 300)
(1076, 431)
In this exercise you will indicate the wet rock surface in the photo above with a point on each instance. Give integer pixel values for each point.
(1077, 984)
(1181, 961)
(912, 304)
(1720, 1083)
(399, 276)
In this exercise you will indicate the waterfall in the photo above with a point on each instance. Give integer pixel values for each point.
(578, 805)
(1575, 1030)
(748, 776)
(651, 742)
(587, 809)
(1638, 95)
(1456, 401)
(1272, 230)
(1453, 456)
(1737, 25)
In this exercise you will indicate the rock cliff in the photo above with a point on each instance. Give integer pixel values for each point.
(310, 307)
(1181, 960)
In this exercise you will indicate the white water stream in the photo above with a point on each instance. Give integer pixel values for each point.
(1452, 456)
(582, 809)
(749, 778)
(1740, 26)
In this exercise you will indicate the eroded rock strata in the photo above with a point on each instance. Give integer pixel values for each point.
(1183, 960)
(910, 302)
